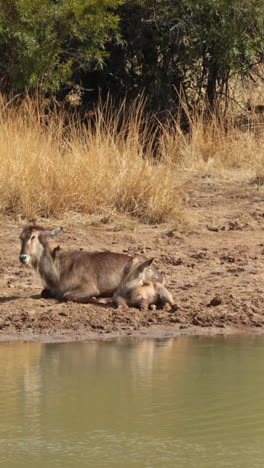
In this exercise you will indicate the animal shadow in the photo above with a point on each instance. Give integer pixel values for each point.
(4, 299)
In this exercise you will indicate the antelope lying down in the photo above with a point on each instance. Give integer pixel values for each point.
(77, 276)
(137, 290)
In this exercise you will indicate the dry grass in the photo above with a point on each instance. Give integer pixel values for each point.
(211, 147)
(51, 168)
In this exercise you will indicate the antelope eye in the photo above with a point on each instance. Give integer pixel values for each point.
(33, 237)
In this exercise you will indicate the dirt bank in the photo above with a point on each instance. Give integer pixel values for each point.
(213, 268)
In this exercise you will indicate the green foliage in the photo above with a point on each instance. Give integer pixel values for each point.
(42, 42)
(164, 48)
(225, 39)
(189, 47)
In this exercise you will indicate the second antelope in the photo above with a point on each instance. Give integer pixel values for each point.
(77, 276)
(137, 289)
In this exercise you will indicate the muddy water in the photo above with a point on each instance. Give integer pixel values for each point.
(187, 402)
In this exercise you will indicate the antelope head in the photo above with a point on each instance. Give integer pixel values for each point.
(34, 242)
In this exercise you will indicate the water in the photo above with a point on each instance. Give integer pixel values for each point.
(186, 402)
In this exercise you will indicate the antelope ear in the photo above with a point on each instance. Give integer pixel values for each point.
(145, 265)
(130, 265)
(55, 232)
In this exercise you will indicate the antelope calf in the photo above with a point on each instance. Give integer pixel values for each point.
(77, 276)
(137, 289)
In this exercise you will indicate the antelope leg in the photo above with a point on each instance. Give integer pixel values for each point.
(83, 296)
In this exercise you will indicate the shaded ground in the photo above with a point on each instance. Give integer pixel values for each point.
(214, 269)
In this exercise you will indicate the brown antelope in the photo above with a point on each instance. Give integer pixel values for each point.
(137, 289)
(77, 276)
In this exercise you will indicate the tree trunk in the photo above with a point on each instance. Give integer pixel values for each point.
(211, 84)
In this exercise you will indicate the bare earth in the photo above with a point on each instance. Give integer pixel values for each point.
(214, 269)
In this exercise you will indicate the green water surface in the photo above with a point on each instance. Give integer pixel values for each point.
(186, 402)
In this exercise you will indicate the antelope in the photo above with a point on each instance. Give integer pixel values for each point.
(78, 276)
(137, 289)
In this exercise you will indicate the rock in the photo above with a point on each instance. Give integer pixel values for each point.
(174, 234)
(213, 228)
(217, 300)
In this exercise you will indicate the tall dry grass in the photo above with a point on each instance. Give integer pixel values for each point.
(236, 142)
(49, 167)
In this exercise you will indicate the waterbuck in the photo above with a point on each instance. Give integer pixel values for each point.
(77, 276)
(136, 289)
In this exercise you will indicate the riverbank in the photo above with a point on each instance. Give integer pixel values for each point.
(213, 267)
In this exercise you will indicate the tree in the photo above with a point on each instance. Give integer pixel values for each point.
(226, 40)
(190, 47)
(43, 42)
(162, 48)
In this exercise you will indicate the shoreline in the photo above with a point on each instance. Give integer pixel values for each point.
(153, 333)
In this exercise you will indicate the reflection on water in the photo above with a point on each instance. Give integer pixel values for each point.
(186, 402)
